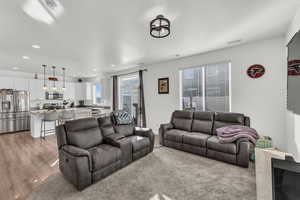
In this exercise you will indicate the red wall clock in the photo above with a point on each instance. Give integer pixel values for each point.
(256, 71)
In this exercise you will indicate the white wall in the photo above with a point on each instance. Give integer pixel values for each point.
(262, 99)
(293, 120)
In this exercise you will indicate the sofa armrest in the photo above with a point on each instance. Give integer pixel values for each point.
(243, 146)
(114, 139)
(76, 166)
(146, 133)
(120, 141)
(162, 129)
(78, 152)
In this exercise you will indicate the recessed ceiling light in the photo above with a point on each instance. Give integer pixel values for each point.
(26, 57)
(113, 65)
(36, 46)
(95, 69)
(15, 68)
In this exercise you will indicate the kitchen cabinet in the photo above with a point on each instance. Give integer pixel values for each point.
(14, 83)
(74, 90)
(80, 91)
(21, 84)
(69, 93)
(6, 83)
(36, 89)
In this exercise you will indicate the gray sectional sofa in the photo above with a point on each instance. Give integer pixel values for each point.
(91, 149)
(195, 132)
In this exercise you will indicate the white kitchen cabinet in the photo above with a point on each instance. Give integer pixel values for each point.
(36, 89)
(69, 93)
(21, 84)
(80, 91)
(89, 91)
(14, 83)
(6, 83)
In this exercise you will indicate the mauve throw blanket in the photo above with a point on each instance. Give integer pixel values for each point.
(229, 134)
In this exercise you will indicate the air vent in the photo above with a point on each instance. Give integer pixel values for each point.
(233, 42)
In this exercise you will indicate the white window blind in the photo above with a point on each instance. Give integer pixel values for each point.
(206, 88)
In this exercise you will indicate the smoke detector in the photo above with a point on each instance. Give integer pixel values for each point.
(46, 11)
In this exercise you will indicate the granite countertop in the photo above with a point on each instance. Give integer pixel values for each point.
(36, 112)
(94, 106)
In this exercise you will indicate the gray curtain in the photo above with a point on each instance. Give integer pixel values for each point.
(142, 112)
(115, 93)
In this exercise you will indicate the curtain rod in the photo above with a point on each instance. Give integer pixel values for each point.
(129, 73)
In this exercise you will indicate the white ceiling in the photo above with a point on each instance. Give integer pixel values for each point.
(93, 35)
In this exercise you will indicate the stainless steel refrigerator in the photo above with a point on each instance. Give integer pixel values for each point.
(14, 111)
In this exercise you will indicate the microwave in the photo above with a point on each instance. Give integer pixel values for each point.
(54, 96)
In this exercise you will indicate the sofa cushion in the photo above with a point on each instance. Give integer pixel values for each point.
(105, 121)
(83, 133)
(182, 120)
(203, 122)
(106, 126)
(227, 119)
(174, 135)
(214, 144)
(104, 155)
(197, 139)
(107, 130)
(126, 130)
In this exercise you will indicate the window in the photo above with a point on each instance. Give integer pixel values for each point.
(97, 94)
(129, 93)
(206, 88)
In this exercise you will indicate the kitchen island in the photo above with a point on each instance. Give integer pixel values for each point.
(36, 117)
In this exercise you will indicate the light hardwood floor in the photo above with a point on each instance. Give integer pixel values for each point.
(24, 163)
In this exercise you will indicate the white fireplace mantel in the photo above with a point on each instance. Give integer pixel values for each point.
(263, 168)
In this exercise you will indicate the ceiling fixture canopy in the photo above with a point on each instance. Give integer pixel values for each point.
(46, 11)
(160, 27)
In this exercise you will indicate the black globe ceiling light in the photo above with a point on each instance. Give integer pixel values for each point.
(160, 27)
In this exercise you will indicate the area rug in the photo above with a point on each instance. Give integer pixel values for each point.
(165, 174)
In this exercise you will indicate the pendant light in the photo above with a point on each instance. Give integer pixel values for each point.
(64, 78)
(54, 84)
(44, 86)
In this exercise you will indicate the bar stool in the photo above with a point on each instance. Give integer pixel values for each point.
(66, 116)
(52, 116)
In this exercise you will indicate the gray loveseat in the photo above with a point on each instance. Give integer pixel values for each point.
(91, 149)
(195, 132)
